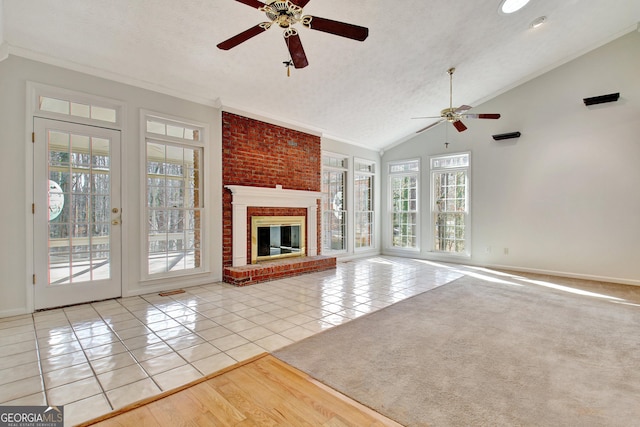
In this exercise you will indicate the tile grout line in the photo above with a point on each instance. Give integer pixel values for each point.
(40, 369)
(88, 361)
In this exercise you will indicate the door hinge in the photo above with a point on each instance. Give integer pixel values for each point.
(33, 137)
(34, 279)
(33, 208)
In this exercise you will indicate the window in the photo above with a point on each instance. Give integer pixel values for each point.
(334, 213)
(77, 109)
(403, 191)
(363, 203)
(176, 130)
(450, 204)
(174, 196)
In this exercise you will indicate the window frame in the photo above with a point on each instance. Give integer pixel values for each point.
(372, 201)
(345, 195)
(71, 96)
(173, 141)
(466, 213)
(390, 205)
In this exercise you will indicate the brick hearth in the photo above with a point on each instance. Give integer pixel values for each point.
(271, 270)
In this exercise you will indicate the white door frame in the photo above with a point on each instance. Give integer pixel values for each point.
(45, 295)
(33, 109)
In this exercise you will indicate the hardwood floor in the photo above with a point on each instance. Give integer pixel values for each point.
(262, 391)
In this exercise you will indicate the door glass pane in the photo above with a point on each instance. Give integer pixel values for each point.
(79, 208)
(334, 215)
(100, 155)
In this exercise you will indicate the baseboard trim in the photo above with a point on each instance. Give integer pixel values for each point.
(357, 255)
(14, 312)
(570, 275)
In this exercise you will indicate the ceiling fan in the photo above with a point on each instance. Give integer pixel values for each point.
(286, 14)
(454, 115)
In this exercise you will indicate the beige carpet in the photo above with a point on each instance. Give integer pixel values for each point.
(477, 352)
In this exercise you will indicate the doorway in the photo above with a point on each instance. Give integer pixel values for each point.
(77, 213)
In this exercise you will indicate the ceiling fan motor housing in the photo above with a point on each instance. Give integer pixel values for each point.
(449, 115)
(284, 13)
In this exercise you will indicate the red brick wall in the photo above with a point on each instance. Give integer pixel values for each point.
(260, 154)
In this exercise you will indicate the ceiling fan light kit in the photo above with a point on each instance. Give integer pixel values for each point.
(286, 14)
(611, 97)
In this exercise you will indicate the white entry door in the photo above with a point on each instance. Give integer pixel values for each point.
(77, 215)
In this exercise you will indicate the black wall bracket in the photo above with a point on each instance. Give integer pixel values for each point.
(611, 97)
(506, 135)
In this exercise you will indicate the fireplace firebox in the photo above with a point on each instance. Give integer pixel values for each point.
(274, 237)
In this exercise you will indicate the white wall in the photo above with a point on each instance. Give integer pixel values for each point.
(1, 21)
(16, 194)
(3, 45)
(356, 152)
(565, 196)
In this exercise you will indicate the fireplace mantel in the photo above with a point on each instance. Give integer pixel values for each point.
(245, 196)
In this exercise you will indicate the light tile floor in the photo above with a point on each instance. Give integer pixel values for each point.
(94, 358)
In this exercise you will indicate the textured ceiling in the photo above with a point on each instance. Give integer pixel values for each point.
(360, 92)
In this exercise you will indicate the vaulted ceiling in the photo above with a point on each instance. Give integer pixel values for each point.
(364, 93)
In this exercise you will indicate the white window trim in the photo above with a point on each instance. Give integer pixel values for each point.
(373, 203)
(346, 201)
(467, 231)
(147, 279)
(38, 89)
(389, 204)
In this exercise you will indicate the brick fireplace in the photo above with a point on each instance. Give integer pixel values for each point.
(268, 170)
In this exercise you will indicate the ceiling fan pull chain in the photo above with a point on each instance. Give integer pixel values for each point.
(288, 64)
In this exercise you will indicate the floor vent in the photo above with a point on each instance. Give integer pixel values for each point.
(169, 293)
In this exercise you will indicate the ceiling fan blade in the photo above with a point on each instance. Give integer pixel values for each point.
(430, 126)
(296, 51)
(337, 28)
(300, 3)
(460, 127)
(243, 36)
(482, 116)
(463, 108)
(253, 3)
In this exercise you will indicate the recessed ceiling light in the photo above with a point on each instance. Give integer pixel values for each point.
(510, 6)
(536, 23)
